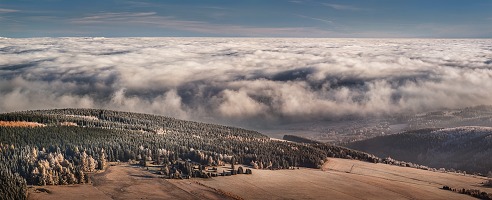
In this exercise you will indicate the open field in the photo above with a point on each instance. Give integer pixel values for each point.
(339, 179)
(129, 182)
(86, 191)
(365, 181)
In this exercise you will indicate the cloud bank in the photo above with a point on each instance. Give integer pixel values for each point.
(245, 81)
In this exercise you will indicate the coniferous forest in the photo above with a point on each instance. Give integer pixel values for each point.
(66, 146)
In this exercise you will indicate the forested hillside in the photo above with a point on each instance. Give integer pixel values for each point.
(65, 146)
(463, 148)
(299, 139)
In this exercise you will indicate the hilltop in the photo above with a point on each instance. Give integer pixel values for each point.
(466, 148)
(71, 144)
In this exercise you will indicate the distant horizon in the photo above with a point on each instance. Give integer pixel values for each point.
(250, 18)
(252, 37)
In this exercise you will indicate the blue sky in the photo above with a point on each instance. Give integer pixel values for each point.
(247, 18)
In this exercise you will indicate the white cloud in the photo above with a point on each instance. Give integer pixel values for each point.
(316, 19)
(239, 105)
(341, 6)
(297, 2)
(4, 10)
(169, 22)
(245, 80)
(111, 17)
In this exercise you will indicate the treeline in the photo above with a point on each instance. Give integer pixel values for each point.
(59, 154)
(125, 120)
(472, 192)
(13, 185)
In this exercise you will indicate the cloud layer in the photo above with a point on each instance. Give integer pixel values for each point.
(245, 81)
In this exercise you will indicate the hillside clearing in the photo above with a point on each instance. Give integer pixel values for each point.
(20, 124)
(128, 182)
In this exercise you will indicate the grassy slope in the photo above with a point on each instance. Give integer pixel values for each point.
(339, 181)
(126, 182)
(365, 181)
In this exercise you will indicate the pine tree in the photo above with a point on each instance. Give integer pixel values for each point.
(210, 161)
(91, 164)
(102, 160)
(84, 161)
(81, 176)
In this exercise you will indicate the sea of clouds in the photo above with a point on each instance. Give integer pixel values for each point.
(246, 81)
